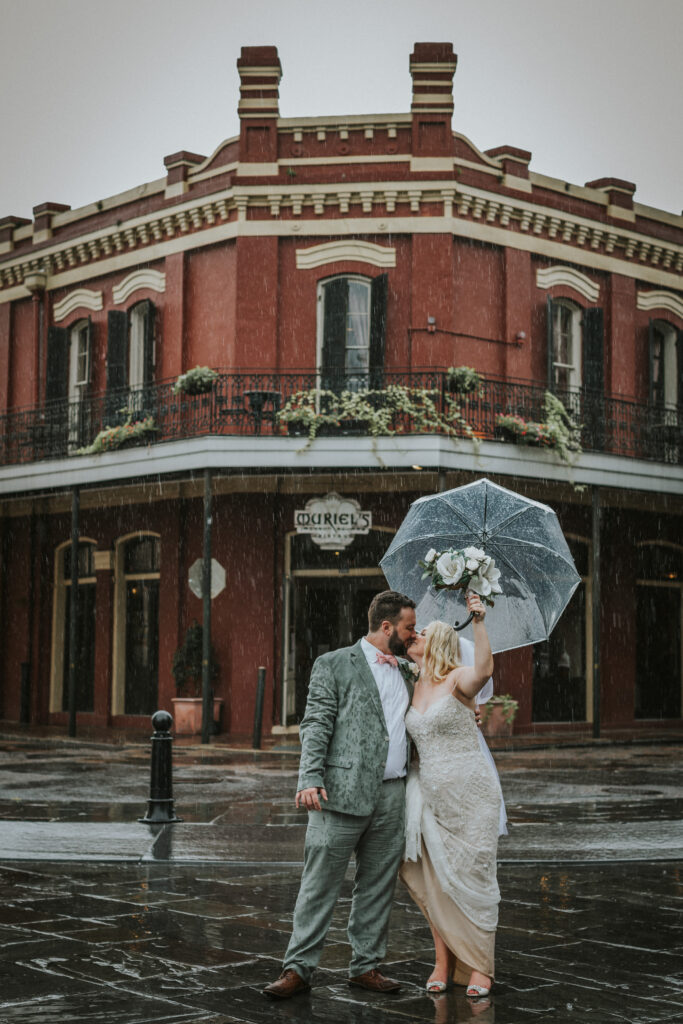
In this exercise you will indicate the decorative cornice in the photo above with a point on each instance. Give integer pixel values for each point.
(568, 277)
(80, 298)
(145, 278)
(467, 211)
(351, 249)
(660, 300)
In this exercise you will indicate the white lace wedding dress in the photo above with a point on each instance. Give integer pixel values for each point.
(452, 817)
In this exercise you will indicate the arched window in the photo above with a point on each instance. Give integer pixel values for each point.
(69, 357)
(136, 627)
(659, 608)
(61, 628)
(351, 329)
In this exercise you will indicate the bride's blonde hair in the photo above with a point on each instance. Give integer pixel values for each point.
(442, 650)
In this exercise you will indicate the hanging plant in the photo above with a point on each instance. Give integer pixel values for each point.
(197, 381)
(464, 380)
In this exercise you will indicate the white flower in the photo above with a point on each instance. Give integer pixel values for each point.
(473, 557)
(431, 555)
(485, 580)
(450, 567)
(480, 585)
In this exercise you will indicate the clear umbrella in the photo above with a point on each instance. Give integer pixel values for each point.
(538, 575)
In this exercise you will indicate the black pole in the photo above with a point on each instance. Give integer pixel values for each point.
(160, 804)
(258, 707)
(73, 608)
(207, 703)
(595, 574)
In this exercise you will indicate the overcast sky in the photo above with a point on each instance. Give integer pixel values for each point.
(96, 92)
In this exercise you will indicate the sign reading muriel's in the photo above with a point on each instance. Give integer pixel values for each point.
(332, 521)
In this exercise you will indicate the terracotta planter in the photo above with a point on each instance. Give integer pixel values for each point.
(495, 724)
(187, 715)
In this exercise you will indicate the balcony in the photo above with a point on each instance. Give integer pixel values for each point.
(249, 404)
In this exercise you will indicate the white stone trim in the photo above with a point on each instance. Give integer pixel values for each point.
(660, 300)
(81, 298)
(145, 278)
(351, 249)
(478, 213)
(568, 277)
(334, 454)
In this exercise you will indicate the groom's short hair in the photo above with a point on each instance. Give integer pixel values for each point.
(387, 606)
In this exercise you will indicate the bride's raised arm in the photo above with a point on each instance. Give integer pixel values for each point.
(471, 678)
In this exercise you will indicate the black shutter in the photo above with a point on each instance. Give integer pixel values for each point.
(593, 347)
(117, 350)
(335, 299)
(378, 326)
(57, 383)
(549, 341)
(656, 360)
(117, 366)
(679, 367)
(593, 377)
(148, 341)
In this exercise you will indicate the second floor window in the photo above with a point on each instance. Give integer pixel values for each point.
(575, 347)
(131, 356)
(666, 369)
(351, 331)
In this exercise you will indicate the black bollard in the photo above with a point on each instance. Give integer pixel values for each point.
(160, 804)
(258, 709)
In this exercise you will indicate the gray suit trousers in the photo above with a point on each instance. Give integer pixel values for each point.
(377, 839)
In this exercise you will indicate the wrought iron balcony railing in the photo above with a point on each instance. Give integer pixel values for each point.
(248, 403)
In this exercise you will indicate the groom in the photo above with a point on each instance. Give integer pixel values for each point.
(352, 782)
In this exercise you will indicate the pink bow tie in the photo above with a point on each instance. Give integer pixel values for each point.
(387, 659)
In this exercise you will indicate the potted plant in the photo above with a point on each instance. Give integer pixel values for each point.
(464, 380)
(498, 715)
(197, 381)
(187, 672)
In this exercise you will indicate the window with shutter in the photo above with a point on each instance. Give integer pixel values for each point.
(352, 327)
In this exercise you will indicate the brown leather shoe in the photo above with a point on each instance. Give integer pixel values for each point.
(375, 981)
(287, 985)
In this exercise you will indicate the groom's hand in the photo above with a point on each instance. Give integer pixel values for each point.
(477, 715)
(309, 799)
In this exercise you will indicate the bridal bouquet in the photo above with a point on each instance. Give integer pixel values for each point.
(469, 569)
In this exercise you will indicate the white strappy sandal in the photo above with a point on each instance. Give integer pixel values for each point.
(477, 991)
(436, 987)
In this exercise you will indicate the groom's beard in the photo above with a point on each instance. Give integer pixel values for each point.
(396, 645)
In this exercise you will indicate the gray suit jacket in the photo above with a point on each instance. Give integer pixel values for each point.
(344, 737)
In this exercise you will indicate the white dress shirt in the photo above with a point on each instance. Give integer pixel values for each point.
(393, 694)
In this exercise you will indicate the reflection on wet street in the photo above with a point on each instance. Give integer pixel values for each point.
(105, 919)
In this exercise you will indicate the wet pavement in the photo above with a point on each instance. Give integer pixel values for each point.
(105, 919)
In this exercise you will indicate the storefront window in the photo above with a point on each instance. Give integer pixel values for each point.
(659, 608)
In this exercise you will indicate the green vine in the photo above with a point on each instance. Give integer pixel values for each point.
(464, 380)
(379, 411)
(558, 430)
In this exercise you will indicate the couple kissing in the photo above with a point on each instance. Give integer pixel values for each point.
(364, 713)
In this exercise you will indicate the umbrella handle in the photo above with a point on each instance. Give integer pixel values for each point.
(461, 625)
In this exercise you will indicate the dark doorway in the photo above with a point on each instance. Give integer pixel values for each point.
(329, 612)
(559, 680)
(658, 652)
(85, 648)
(142, 646)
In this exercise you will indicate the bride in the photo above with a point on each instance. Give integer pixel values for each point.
(453, 808)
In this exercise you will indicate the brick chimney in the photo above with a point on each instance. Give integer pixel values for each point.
(432, 66)
(260, 73)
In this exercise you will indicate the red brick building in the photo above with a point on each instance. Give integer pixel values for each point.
(317, 259)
